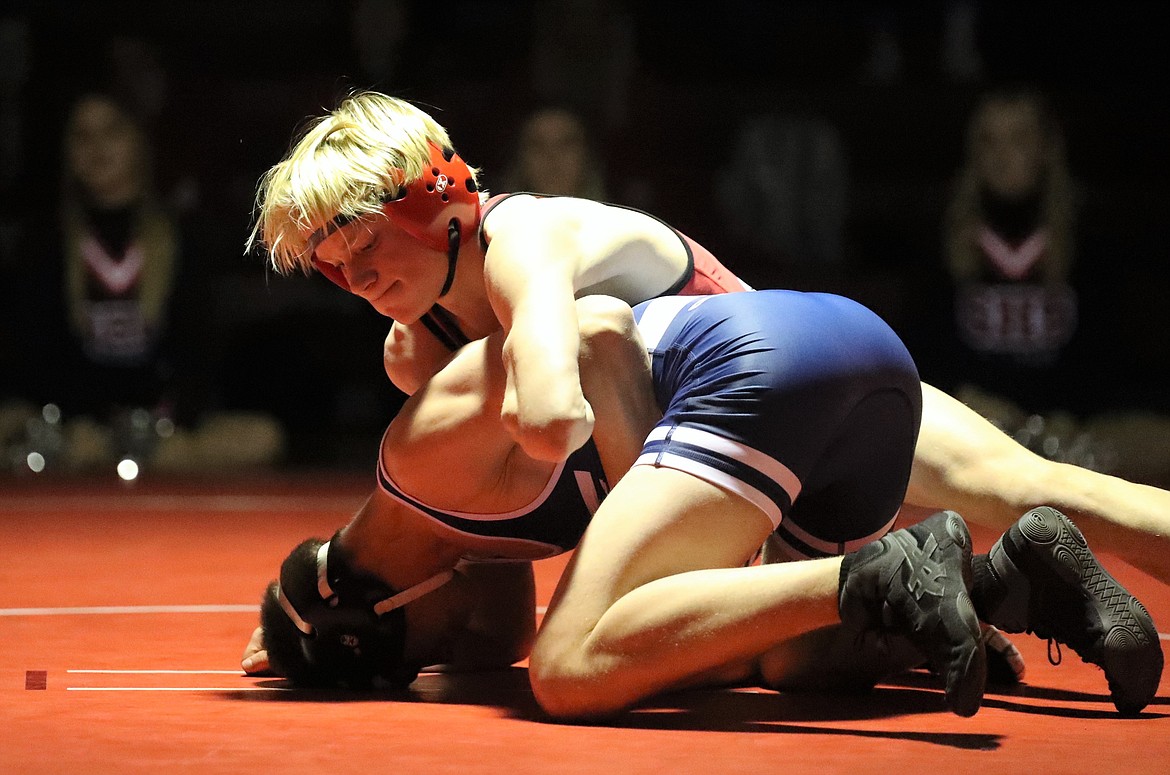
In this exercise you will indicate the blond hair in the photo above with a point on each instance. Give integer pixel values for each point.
(346, 164)
(1058, 196)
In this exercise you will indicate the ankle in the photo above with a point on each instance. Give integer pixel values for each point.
(987, 589)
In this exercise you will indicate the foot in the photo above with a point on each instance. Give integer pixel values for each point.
(1005, 663)
(1041, 577)
(916, 582)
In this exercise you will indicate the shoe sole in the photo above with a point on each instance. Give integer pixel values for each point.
(967, 695)
(966, 674)
(1131, 653)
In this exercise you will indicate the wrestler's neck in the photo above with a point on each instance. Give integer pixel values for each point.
(384, 539)
(468, 300)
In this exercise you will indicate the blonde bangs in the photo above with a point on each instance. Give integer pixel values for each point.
(346, 164)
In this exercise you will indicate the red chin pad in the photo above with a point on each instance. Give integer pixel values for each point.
(445, 191)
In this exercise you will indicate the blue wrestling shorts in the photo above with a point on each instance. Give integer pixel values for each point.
(806, 404)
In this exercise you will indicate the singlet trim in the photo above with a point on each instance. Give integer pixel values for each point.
(388, 484)
(688, 273)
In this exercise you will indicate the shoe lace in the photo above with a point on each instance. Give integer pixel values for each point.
(1053, 642)
(1062, 620)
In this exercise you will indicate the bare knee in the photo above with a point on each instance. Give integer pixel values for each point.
(567, 686)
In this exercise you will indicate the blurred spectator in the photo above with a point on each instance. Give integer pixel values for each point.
(784, 195)
(554, 156)
(379, 31)
(948, 32)
(1028, 328)
(114, 313)
(15, 64)
(584, 57)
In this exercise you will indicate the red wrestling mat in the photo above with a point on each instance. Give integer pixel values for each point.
(124, 611)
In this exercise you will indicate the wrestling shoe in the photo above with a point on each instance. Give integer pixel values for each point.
(916, 582)
(1041, 577)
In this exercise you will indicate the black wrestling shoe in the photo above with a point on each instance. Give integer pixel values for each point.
(916, 582)
(1041, 577)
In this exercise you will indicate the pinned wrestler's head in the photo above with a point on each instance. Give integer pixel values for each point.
(328, 625)
(375, 198)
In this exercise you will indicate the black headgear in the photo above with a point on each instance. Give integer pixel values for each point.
(350, 629)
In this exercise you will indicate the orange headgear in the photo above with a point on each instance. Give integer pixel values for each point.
(440, 210)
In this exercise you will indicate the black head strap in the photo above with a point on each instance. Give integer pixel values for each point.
(452, 255)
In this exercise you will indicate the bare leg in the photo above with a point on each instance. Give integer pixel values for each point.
(965, 463)
(833, 659)
(657, 595)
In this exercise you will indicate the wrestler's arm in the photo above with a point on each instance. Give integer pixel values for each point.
(541, 253)
(500, 624)
(454, 416)
(615, 373)
(452, 423)
(457, 413)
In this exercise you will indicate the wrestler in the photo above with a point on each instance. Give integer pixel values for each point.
(797, 410)
(374, 197)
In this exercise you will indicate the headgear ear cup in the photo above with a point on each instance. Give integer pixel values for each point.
(445, 192)
(340, 640)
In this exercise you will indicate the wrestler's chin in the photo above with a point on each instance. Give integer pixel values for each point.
(387, 305)
(397, 313)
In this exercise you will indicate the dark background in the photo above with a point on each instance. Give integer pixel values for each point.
(239, 78)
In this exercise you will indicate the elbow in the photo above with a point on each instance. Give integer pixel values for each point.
(553, 440)
(605, 318)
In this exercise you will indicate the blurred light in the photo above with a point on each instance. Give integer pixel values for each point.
(36, 462)
(51, 413)
(165, 428)
(128, 470)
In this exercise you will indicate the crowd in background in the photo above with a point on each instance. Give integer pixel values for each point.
(988, 176)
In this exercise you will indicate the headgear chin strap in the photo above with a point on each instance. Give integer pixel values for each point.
(380, 607)
(440, 209)
(397, 600)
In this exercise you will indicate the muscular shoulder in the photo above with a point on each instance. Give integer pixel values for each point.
(609, 249)
(526, 212)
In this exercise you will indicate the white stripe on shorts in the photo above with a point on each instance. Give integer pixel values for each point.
(833, 547)
(659, 313)
(749, 456)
